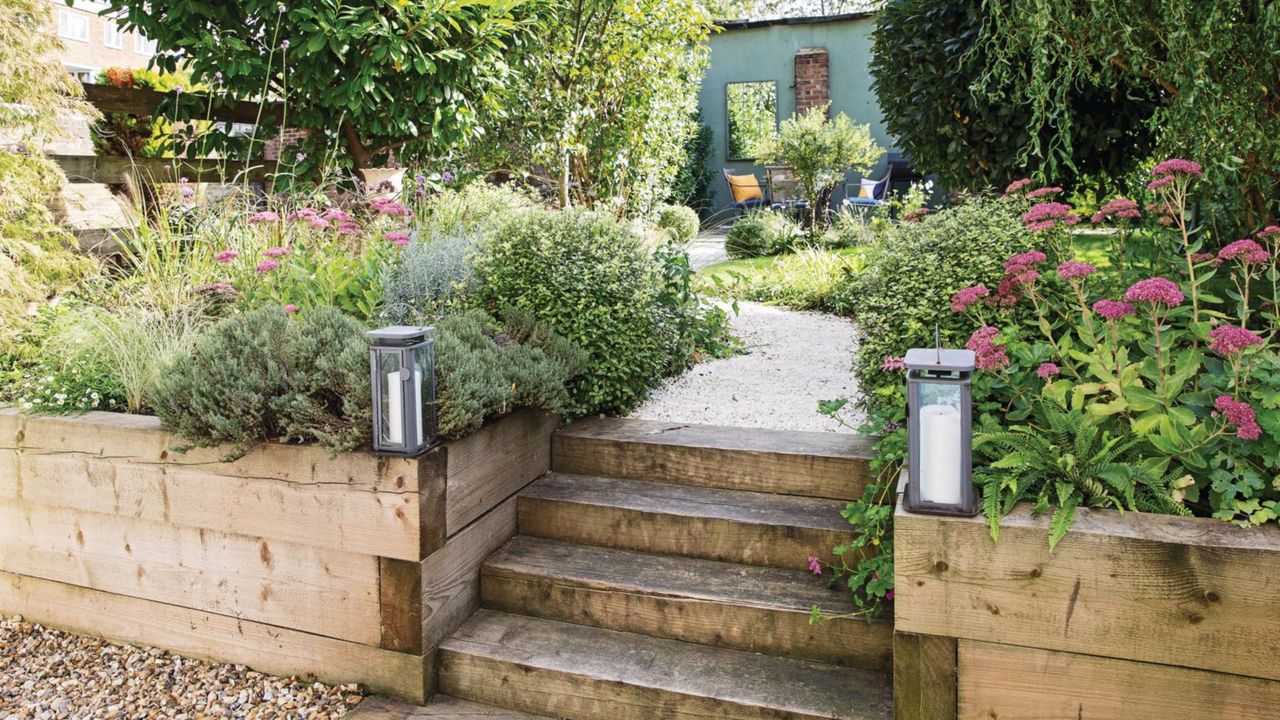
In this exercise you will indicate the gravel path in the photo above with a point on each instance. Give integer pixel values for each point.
(794, 360)
(47, 674)
(706, 249)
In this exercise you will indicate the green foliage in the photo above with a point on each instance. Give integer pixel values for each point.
(909, 277)
(803, 280)
(141, 135)
(762, 232)
(701, 328)
(603, 103)
(35, 89)
(679, 221)
(588, 278)
(265, 375)
(474, 209)
(691, 186)
(751, 114)
(819, 152)
(975, 116)
(485, 369)
(73, 381)
(379, 77)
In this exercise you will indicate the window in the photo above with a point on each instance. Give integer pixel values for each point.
(143, 45)
(81, 73)
(111, 35)
(73, 26)
(752, 110)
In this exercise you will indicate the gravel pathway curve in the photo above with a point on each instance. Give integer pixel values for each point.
(794, 359)
(49, 674)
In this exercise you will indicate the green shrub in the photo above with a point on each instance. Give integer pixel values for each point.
(589, 279)
(803, 280)
(485, 369)
(267, 375)
(679, 221)
(762, 232)
(908, 281)
(476, 208)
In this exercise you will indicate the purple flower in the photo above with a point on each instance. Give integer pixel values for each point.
(1177, 166)
(1016, 186)
(299, 157)
(290, 309)
(1240, 414)
(1160, 182)
(1113, 309)
(1229, 339)
(266, 266)
(815, 565)
(1120, 208)
(397, 237)
(1047, 370)
(1048, 212)
(1022, 261)
(388, 207)
(893, 363)
(277, 252)
(264, 216)
(1156, 290)
(284, 44)
(1071, 270)
(185, 188)
(226, 256)
(968, 296)
(1044, 192)
(1246, 251)
(446, 176)
(990, 356)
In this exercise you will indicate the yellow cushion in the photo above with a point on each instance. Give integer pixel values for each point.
(744, 188)
(866, 189)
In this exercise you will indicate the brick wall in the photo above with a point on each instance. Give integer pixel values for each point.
(813, 79)
(287, 138)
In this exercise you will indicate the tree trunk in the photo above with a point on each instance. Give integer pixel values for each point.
(361, 156)
(566, 176)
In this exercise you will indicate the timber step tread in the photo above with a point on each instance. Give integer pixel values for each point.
(744, 607)
(440, 707)
(832, 465)
(711, 523)
(583, 673)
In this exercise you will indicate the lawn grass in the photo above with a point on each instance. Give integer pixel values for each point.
(801, 280)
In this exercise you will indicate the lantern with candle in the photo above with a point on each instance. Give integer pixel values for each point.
(402, 362)
(939, 429)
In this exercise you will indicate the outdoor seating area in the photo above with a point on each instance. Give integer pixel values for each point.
(639, 360)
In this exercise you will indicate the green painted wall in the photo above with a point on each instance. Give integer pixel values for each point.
(768, 53)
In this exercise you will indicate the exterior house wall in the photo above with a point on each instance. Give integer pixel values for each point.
(811, 59)
(89, 40)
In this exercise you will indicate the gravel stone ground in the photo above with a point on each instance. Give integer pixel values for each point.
(48, 674)
(794, 360)
(706, 249)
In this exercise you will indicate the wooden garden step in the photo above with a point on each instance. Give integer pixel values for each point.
(831, 465)
(756, 609)
(441, 707)
(584, 673)
(709, 523)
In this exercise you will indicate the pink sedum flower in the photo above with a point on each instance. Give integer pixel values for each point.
(226, 256)
(1044, 192)
(1017, 186)
(277, 252)
(1229, 339)
(989, 355)
(1267, 232)
(1177, 166)
(1073, 270)
(264, 217)
(266, 266)
(1120, 208)
(397, 237)
(1048, 212)
(1157, 291)
(1246, 251)
(815, 565)
(967, 297)
(1241, 415)
(1113, 309)
(335, 215)
(290, 309)
(1024, 260)
(1047, 370)
(893, 363)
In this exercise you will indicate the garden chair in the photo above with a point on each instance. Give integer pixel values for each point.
(745, 190)
(870, 193)
(782, 189)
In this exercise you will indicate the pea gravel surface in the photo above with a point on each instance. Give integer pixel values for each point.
(48, 674)
(793, 361)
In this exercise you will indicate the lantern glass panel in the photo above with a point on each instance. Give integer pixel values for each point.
(940, 424)
(392, 401)
(423, 390)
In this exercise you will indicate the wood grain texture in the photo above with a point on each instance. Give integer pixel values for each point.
(400, 605)
(1170, 590)
(486, 468)
(440, 707)
(113, 170)
(755, 609)
(274, 582)
(583, 673)
(924, 677)
(1016, 683)
(776, 461)
(451, 575)
(709, 523)
(210, 636)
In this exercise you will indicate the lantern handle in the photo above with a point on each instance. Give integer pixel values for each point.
(937, 339)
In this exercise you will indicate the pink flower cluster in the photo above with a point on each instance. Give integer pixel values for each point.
(1016, 186)
(1025, 260)
(1019, 275)
(1047, 370)
(310, 217)
(1120, 208)
(277, 252)
(1047, 216)
(989, 354)
(1171, 169)
(1240, 414)
(1267, 232)
(1044, 192)
(1229, 339)
(226, 256)
(968, 296)
(1113, 309)
(266, 266)
(397, 237)
(388, 207)
(1156, 290)
(893, 363)
(1072, 270)
(264, 217)
(336, 215)
(289, 309)
(1246, 251)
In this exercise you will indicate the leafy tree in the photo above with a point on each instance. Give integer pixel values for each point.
(819, 152)
(381, 76)
(35, 91)
(603, 105)
(692, 184)
(1211, 63)
(974, 117)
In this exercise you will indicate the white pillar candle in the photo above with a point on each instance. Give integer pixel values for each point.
(395, 408)
(940, 454)
(417, 398)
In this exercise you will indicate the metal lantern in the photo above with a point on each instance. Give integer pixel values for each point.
(403, 364)
(940, 432)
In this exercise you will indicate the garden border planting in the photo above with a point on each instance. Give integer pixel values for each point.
(1133, 615)
(348, 568)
